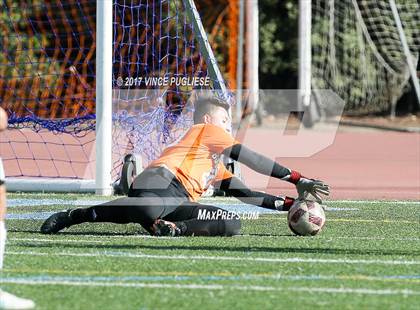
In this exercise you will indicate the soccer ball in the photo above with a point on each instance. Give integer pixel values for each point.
(306, 218)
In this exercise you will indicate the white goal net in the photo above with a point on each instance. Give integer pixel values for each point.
(357, 51)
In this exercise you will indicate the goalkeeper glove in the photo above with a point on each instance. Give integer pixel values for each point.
(305, 186)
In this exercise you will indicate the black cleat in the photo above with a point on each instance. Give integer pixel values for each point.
(165, 228)
(56, 222)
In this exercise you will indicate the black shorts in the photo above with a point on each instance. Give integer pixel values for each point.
(158, 181)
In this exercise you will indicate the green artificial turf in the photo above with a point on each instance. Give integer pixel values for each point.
(367, 257)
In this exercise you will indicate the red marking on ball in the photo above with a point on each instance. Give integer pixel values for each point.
(315, 220)
(297, 215)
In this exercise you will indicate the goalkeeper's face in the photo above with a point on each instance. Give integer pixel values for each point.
(219, 117)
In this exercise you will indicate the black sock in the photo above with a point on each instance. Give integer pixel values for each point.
(82, 215)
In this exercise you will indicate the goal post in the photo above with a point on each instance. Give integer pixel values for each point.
(305, 54)
(205, 49)
(103, 97)
(409, 57)
(252, 54)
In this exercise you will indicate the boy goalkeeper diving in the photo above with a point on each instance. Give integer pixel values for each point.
(163, 198)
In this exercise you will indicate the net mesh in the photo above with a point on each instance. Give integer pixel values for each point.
(47, 82)
(152, 40)
(357, 51)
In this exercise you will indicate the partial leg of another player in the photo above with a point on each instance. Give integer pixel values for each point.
(7, 300)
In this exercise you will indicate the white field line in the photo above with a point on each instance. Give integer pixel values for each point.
(347, 238)
(222, 258)
(88, 202)
(171, 276)
(46, 201)
(373, 201)
(58, 240)
(103, 238)
(333, 290)
(379, 238)
(350, 220)
(106, 239)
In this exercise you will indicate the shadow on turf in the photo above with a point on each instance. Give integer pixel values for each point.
(93, 233)
(226, 248)
(125, 233)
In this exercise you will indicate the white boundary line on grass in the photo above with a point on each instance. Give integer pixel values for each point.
(189, 276)
(374, 201)
(58, 240)
(329, 238)
(333, 290)
(351, 220)
(109, 238)
(224, 258)
(89, 202)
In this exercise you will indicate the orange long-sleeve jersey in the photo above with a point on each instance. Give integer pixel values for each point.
(196, 159)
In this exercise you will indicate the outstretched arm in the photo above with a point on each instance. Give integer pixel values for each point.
(261, 163)
(234, 187)
(268, 167)
(219, 141)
